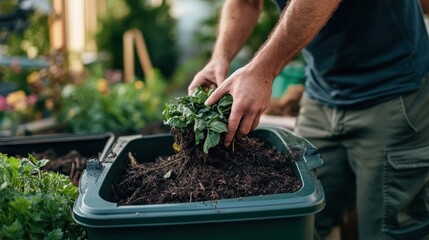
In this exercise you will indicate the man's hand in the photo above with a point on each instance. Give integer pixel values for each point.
(251, 92)
(238, 19)
(211, 76)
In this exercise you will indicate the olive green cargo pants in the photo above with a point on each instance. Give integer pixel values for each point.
(376, 159)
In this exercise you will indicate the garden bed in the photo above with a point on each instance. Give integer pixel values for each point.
(67, 152)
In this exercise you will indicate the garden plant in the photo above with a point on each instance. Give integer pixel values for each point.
(35, 204)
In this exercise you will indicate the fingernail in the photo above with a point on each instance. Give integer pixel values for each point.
(227, 144)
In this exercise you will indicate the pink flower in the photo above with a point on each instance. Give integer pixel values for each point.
(31, 99)
(3, 104)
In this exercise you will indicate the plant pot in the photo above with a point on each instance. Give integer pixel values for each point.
(276, 216)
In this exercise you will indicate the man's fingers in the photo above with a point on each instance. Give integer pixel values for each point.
(216, 96)
(195, 83)
(256, 121)
(220, 75)
(200, 79)
(233, 123)
(245, 126)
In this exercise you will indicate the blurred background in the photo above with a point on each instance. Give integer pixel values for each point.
(104, 65)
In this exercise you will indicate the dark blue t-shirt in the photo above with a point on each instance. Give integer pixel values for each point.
(370, 51)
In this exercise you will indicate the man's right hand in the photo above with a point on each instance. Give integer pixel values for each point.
(211, 76)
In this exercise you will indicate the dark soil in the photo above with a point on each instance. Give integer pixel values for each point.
(71, 164)
(248, 168)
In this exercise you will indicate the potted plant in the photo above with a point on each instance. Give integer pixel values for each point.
(271, 215)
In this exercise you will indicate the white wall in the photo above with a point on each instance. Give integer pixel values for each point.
(188, 14)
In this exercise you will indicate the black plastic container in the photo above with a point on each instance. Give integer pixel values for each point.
(87, 144)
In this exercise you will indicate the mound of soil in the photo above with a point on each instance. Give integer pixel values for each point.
(248, 168)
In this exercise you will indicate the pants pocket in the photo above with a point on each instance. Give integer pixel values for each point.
(406, 194)
(416, 106)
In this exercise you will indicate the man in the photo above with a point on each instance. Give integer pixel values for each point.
(365, 105)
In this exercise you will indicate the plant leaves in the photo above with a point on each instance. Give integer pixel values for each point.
(168, 174)
(33, 205)
(212, 140)
(190, 113)
(55, 234)
(12, 231)
(218, 126)
(200, 124)
(199, 136)
(41, 163)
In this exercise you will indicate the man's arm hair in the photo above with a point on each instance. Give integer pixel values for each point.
(237, 21)
(298, 25)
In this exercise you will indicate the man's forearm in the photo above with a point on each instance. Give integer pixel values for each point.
(238, 19)
(299, 24)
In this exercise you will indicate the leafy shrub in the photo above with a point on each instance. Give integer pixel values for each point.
(97, 105)
(156, 24)
(33, 40)
(35, 204)
(207, 122)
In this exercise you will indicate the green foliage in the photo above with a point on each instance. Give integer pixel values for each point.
(35, 204)
(156, 24)
(97, 105)
(207, 122)
(33, 41)
(7, 7)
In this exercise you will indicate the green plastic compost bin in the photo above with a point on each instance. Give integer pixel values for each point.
(276, 216)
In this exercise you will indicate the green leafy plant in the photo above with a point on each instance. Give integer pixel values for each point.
(33, 41)
(35, 204)
(97, 105)
(207, 122)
